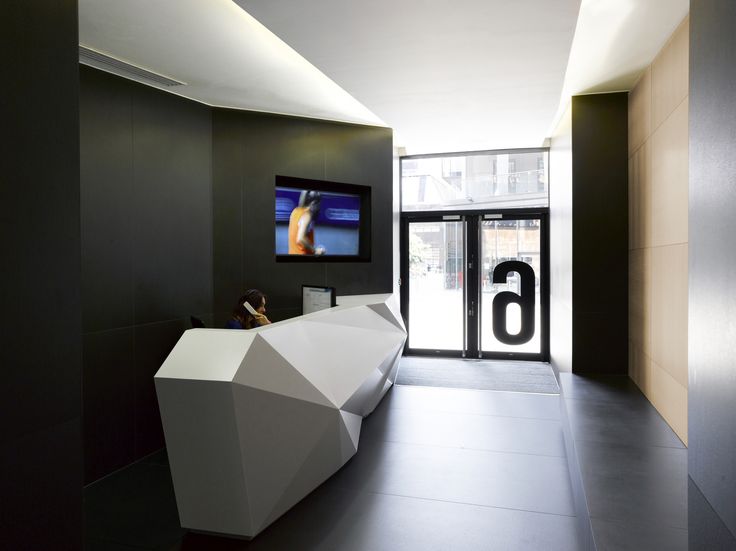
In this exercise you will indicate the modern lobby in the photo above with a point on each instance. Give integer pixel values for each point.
(530, 346)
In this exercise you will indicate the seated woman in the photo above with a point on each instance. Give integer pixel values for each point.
(242, 318)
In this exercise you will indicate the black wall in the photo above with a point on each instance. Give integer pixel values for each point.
(712, 263)
(40, 331)
(146, 220)
(600, 233)
(249, 150)
(177, 219)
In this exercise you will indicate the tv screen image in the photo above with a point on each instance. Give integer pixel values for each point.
(313, 222)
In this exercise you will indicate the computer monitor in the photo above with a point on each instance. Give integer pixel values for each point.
(316, 298)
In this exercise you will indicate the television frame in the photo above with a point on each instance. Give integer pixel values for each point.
(364, 227)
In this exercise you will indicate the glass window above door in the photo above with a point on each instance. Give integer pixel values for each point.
(468, 181)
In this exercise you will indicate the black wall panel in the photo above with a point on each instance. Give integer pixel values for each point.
(108, 217)
(712, 256)
(227, 210)
(705, 528)
(250, 149)
(109, 401)
(153, 342)
(146, 222)
(40, 331)
(172, 191)
(178, 219)
(600, 233)
(361, 155)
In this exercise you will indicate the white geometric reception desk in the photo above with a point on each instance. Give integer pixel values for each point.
(255, 420)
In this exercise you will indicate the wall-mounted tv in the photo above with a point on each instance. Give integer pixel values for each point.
(321, 221)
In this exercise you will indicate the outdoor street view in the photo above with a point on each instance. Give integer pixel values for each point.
(436, 313)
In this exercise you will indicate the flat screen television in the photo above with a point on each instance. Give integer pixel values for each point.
(321, 221)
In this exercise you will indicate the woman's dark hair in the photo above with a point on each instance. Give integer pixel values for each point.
(253, 297)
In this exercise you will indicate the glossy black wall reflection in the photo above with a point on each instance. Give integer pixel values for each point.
(600, 233)
(249, 150)
(40, 331)
(712, 257)
(146, 222)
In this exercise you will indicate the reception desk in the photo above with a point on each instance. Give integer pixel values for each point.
(255, 420)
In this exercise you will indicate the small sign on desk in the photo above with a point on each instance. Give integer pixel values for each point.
(315, 298)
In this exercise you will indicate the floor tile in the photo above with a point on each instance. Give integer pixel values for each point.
(481, 432)
(514, 481)
(608, 388)
(620, 423)
(477, 402)
(624, 536)
(365, 521)
(436, 469)
(624, 483)
(135, 506)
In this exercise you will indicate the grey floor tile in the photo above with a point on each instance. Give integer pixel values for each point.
(460, 470)
(340, 521)
(515, 481)
(633, 483)
(605, 388)
(626, 536)
(458, 430)
(478, 402)
(620, 423)
(135, 506)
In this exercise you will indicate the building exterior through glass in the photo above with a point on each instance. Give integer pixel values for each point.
(477, 181)
(467, 184)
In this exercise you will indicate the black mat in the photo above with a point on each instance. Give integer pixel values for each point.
(478, 374)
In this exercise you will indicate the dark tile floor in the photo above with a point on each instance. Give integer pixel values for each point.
(443, 468)
(633, 466)
(436, 469)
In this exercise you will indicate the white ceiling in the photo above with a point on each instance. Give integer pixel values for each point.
(446, 76)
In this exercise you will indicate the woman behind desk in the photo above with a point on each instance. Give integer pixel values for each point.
(242, 318)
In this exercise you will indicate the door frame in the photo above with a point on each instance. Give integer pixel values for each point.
(472, 279)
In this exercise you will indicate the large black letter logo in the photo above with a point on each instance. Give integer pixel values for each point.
(525, 302)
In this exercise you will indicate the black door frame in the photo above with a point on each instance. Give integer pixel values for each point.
(472, 279)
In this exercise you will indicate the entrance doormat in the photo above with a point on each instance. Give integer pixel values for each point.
(514, 376)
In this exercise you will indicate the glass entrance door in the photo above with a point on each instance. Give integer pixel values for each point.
(436, 276)
(512, 281)
(476, 285)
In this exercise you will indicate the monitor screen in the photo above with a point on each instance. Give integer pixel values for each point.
(321, 221)
(315, 298)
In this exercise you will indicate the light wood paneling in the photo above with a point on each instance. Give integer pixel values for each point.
(669, 76)
(658, 231)
(640, 107)
(670, 179)
(640, 368)
(640, 197)
(669, 310)
(670, 399)
(640, 298)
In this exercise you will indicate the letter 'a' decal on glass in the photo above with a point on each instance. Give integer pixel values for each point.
(525, 301)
